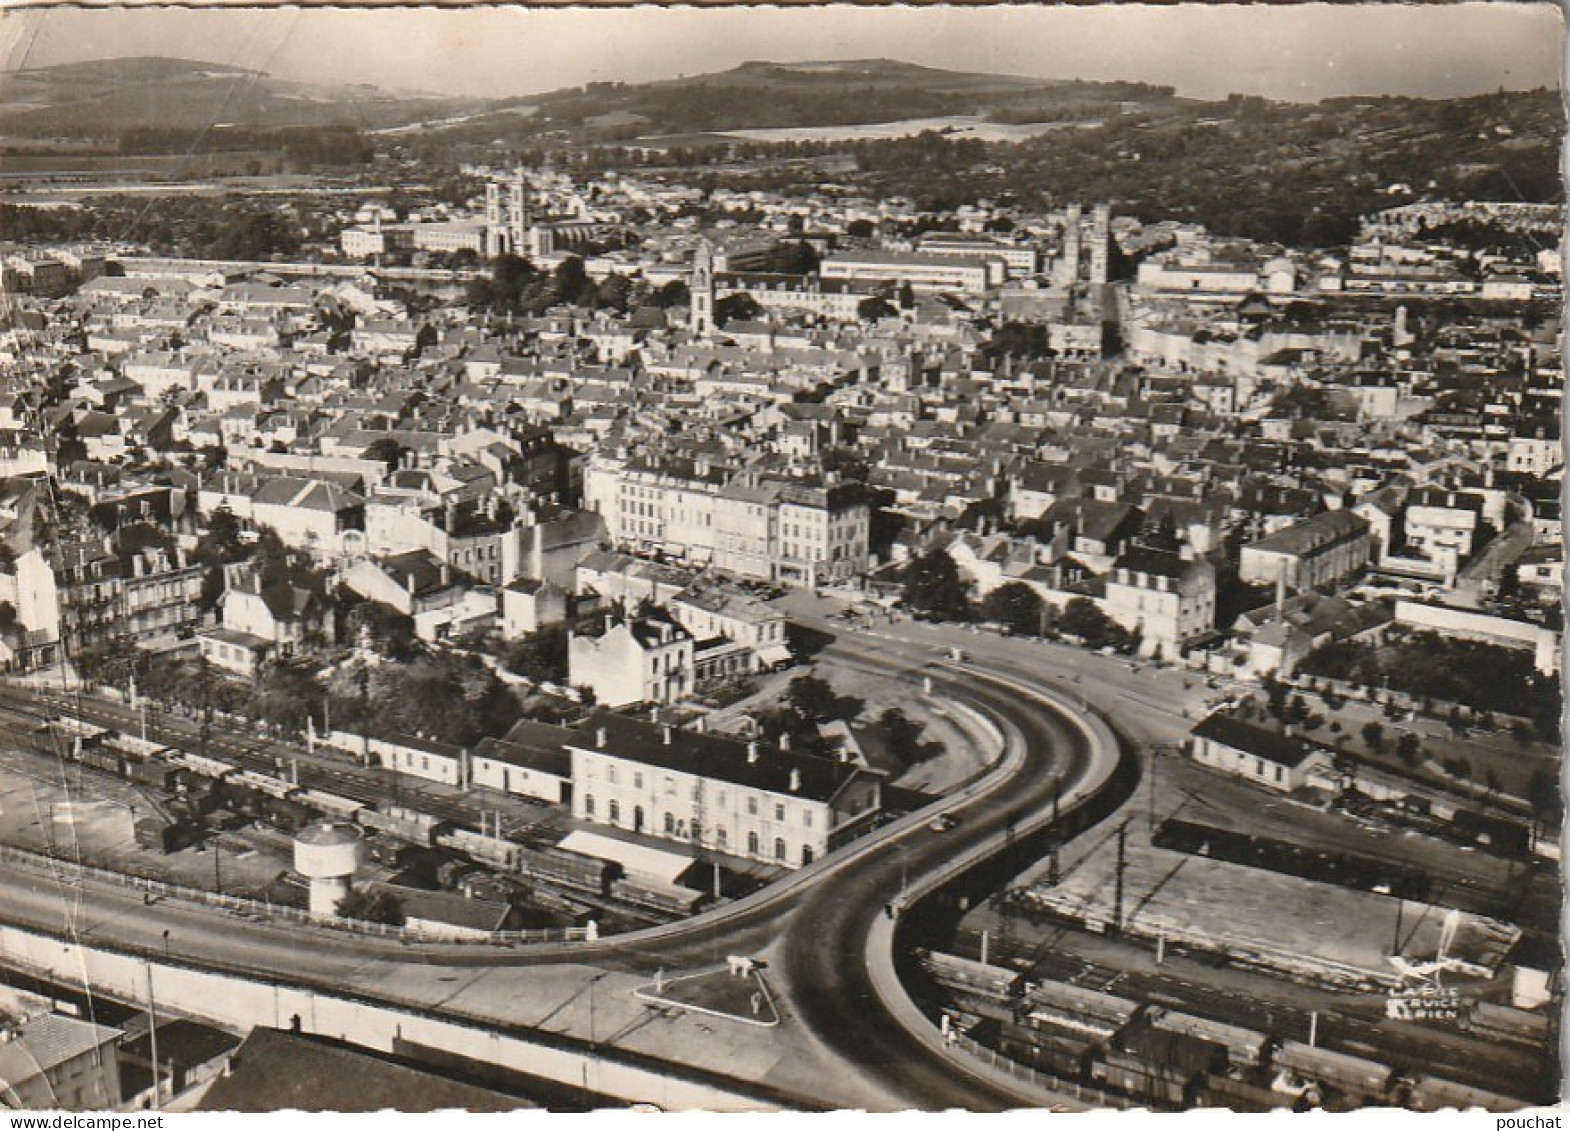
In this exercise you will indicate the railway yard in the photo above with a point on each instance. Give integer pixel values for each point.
(219, 814)
(1093, 969)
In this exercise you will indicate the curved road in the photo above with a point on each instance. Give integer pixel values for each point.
(815, 934)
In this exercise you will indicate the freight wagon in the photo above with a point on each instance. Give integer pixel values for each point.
(142, 749)
(966, 975)
(1431, 1093)
(570, 869)
(1240, 1095)
(1357, 1079)
(1123, 1072)
(405, 824)
(158, 775)
(1505, 1022)
(1060, 1054)
(283, 813)
(215, 768)
(1080, 1006)
(666, 898)
(105, 759)
(329, 804)
(1246, 1049)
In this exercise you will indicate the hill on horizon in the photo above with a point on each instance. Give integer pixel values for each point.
(104, 98)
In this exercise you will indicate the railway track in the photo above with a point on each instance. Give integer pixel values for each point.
(369, 787)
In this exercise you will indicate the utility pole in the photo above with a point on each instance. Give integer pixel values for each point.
(363, 678)
(152, 1036)
(1155, 755)
(1117, 891)
(207, 703)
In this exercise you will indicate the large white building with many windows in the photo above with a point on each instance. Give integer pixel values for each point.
(717, 792)
(787, 531)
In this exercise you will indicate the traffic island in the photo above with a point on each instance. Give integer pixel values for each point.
(735, 992)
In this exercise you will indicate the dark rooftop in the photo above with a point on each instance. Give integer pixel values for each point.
(278, 1071)
(715, 756)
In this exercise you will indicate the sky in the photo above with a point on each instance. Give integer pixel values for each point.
(1295, 52)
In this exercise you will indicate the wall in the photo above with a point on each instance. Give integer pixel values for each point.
(244, 1003)
(1480, 626)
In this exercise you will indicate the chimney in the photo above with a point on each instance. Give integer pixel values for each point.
(795, 781)
(599, 738)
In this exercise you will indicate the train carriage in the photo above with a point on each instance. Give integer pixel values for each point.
(1363, 1081)
(566, 868)
(667, 898)
(1433, 1093)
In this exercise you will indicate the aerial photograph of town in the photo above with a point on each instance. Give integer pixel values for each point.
(744, 559)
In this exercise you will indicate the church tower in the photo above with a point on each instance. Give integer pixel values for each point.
(701, 288)
(509, 216)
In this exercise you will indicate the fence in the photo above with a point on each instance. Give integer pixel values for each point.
(261, 911)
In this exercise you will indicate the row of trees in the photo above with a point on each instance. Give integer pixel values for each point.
(517, 286)
(935, 590)
(1483, 677)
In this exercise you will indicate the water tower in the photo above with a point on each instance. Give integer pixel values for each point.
(327, 854)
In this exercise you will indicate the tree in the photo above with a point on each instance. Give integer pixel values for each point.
(222, 538)
(794, 257)
(372, 907)
(673, 293)
(383, 628)
(1083, 618)
(1542, 793)
(613, 293)
(285, 695)
(1409, 749)
(738, 307)
(387, 450)
(812, 698)
(1373, 735)
(571, 280)
(510, 276)
(901, 736)
(934, 588)
(540, 656)
(1275, 696)
(1017, 606)
(875, 308)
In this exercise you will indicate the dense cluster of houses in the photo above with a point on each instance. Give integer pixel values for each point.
(1235, 452)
